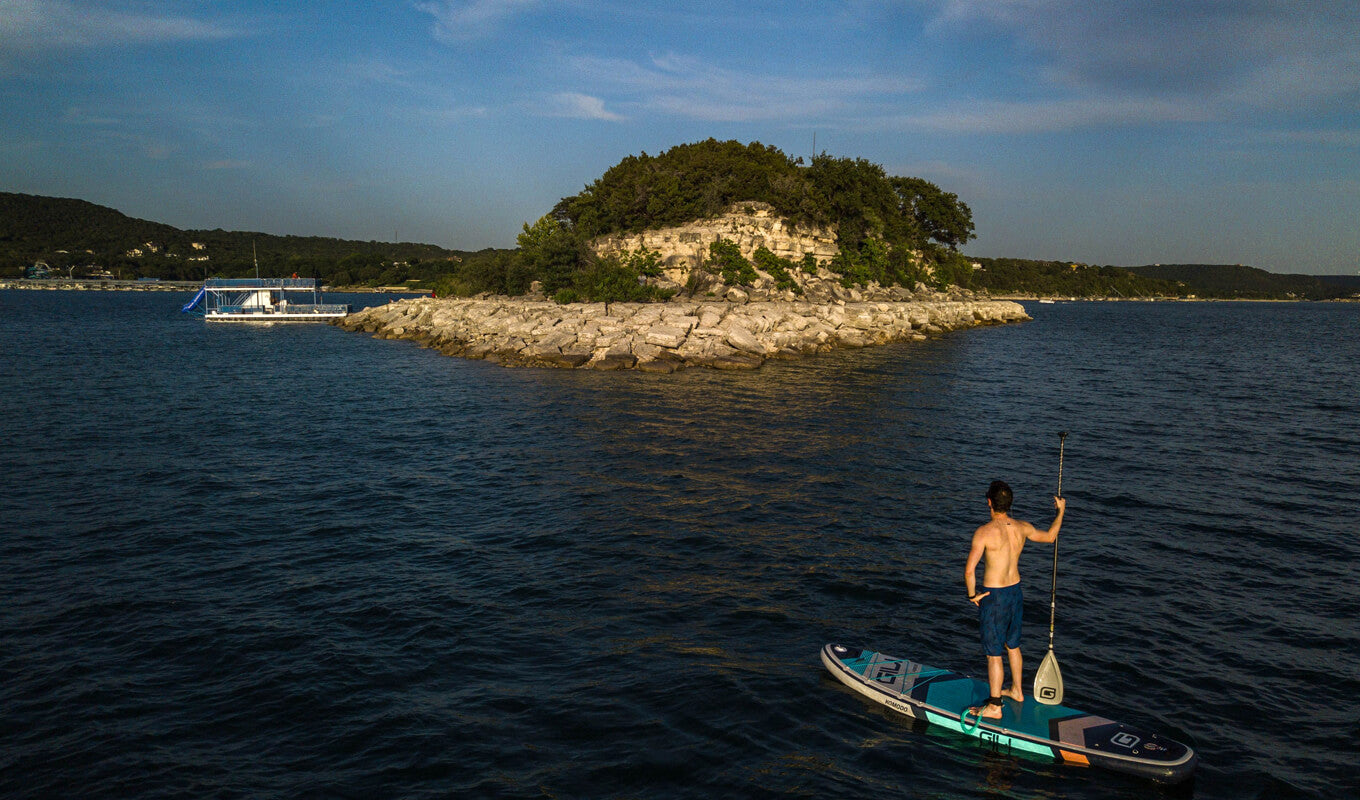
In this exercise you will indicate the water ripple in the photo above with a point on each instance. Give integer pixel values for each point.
(359, 568)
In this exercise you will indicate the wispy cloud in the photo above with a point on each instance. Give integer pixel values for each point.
(463, 20)
(579, 106)
(1047, 116)
(697, 89)
(29, 26)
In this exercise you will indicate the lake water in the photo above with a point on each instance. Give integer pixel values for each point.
(297, 562)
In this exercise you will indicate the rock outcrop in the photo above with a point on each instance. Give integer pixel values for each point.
(749, 226)
(664, 337)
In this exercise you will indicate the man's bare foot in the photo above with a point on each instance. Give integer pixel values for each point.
(1015, 693)
(989, 710)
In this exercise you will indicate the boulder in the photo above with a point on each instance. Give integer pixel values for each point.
(736, 361)
(744, 340)
(666, 336)
(614, 359)
(664, 362)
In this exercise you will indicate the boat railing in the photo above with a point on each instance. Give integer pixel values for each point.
(291, 308)
(307, 284)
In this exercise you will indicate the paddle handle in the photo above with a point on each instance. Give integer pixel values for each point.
(1053, 593)
(1062, 444)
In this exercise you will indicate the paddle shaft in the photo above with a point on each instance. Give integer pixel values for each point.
(1053, 593)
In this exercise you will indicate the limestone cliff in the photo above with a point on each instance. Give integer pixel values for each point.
(749, 225)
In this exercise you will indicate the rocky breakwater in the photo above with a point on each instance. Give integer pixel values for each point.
(663, 337)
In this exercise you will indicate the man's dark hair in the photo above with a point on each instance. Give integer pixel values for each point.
(1000, 495)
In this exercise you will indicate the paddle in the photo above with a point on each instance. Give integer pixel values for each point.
(1048, 685)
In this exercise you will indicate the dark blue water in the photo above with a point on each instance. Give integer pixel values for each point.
(297, 562)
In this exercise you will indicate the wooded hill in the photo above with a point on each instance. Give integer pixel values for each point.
(890, 229)
(67, 233)
(1203, 281)
(1249, 283)
(1066, 279)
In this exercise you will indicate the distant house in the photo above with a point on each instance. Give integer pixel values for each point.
(40, 269)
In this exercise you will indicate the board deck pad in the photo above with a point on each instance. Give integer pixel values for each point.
(943, 697)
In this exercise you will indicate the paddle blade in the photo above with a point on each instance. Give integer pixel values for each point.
(1048, 687)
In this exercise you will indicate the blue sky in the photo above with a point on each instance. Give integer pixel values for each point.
(1107, 132)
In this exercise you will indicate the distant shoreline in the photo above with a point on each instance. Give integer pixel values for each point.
(98, 285)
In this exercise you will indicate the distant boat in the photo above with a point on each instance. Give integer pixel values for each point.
(262, 300)
(1048, 302)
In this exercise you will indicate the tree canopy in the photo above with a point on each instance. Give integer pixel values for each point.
(703, 179)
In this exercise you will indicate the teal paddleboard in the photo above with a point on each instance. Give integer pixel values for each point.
(944, 698)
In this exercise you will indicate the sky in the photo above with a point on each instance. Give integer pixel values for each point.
(1125, 133)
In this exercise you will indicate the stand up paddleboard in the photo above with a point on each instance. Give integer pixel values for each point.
(944, 698)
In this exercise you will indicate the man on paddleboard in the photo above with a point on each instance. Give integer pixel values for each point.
(1000, 602)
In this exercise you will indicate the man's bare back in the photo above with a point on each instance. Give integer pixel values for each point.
(1002, 540)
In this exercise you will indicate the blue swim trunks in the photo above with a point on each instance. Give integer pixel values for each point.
(999, 613)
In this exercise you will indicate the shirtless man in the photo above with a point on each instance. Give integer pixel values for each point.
(1000, 603)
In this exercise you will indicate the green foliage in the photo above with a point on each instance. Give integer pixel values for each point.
(777, 268)
(644, 262)
(952, 269)
(685, 183)
(867, 263)
(904, 269)
(809, 263)
(858, 198)
(608, 280)
(725, 259)
(550, 252)
(565, 296)
(940, 215)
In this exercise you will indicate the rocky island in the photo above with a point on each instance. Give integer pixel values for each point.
(714, 254)
(664, 337)
(720, 334)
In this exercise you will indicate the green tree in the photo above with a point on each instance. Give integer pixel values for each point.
(550, 252)
(933, 211)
